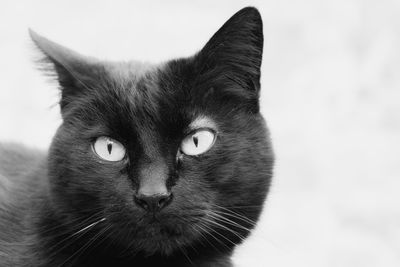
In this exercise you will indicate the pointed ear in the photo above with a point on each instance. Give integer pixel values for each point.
(73, 71)
(235, 50)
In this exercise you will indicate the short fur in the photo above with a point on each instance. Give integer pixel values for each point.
(48, 200)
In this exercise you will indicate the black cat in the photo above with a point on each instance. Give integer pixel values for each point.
(153, 165)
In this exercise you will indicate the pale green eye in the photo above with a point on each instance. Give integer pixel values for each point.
(198, 142)
(109, 149)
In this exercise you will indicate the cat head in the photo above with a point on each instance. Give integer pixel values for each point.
(163, 156)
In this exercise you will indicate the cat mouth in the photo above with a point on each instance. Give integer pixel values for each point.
(167, 225)
(151, 218)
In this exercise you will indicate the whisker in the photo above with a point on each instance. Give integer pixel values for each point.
(244, 206)
(80, 233)
(226, 228)
(87, 247)
(69, 222)
(90, 225)
(204, 237)
(232, 214)
(186, 255)
(207, 230)
(84, 247)
(227, 220)
(237, 214)
(80, 225)
(221, 235)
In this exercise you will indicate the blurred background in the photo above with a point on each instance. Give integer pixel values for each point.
(331, 97)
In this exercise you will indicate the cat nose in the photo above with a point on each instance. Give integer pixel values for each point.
(153, 203)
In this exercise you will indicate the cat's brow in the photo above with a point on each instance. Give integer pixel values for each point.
(203, 122)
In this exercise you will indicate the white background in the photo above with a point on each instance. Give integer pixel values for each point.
(330, 95)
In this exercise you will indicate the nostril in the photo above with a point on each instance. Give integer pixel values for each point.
(141, 202)
(164, 200)
(153, 203)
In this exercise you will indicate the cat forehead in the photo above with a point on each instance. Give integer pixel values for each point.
(125, 71)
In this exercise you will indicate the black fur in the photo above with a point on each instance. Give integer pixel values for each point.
(45, 203)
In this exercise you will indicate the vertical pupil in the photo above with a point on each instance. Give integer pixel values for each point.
(109, 147)
(195, 140)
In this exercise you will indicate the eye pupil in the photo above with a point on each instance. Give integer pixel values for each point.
(109, 148)
(196, 140)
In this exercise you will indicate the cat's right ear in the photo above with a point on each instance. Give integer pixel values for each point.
(235, 50)
(72, 70)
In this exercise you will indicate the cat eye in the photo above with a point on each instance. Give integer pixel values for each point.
(109, 149)
(198, 142)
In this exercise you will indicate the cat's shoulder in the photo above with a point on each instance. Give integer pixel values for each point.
(16, 159)
(22, 178)
(17, 163)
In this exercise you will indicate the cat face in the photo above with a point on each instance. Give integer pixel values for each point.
(164, 156)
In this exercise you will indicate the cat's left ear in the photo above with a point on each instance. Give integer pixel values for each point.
(235, 50)
(75, 73)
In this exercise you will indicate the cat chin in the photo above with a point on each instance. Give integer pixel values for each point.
(159, 236)
(161, 246)
(163, 240)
